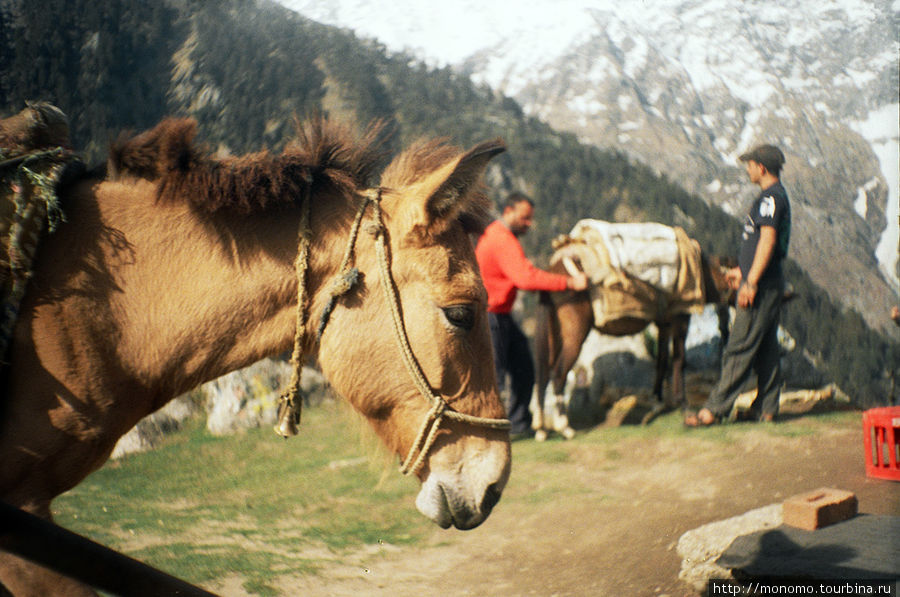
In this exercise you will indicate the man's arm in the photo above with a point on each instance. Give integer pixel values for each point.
(526, 276)
(764, 250)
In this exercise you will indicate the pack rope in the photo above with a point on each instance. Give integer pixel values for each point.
(344, 281)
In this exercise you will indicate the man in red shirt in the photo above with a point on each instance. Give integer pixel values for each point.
(504, 270)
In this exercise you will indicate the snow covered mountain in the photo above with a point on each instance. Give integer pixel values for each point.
(686, 86)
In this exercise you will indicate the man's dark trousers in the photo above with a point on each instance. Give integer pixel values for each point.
(752, 347)
(512, 356)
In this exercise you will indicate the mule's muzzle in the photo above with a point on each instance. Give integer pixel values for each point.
(449, 501)
(491, 497)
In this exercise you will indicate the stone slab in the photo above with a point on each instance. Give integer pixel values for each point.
(866, 547)
(700, 548)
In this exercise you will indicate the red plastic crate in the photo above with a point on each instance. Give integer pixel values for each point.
(881, 438)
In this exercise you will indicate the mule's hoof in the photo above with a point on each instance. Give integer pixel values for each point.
(540, 435)
(657, 410)
(568, 433)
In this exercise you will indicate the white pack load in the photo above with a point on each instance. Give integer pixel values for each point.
(636, 270)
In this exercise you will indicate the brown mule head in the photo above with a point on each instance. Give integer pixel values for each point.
(715, 282)
(429, 197)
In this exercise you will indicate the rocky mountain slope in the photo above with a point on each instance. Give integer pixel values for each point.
(244, 68)
(686, 86)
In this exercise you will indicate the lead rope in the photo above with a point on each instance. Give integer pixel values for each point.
(440, 409)
(290, 403)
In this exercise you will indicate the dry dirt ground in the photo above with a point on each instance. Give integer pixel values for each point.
(621, 539)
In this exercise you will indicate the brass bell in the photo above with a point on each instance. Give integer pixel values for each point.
(288, 417)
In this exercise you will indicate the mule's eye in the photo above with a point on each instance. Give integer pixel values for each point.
(461, 316)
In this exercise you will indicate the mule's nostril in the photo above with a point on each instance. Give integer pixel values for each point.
(491, 497)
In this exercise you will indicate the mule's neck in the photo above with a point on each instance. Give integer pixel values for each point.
(209, 295)
(261, 283)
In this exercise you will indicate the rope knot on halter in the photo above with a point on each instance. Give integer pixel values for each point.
(347, 277)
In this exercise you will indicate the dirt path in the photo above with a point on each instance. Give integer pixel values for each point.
(620, 538)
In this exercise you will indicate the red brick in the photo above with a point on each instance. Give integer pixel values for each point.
(820, 508)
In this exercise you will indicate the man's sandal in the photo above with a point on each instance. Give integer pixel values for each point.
(690, 418)
(703, 418)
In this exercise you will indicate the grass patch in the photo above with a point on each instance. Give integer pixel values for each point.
(260, 508)
(200, 507)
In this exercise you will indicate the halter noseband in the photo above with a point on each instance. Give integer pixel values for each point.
(289, 407)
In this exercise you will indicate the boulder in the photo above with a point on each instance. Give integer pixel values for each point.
(629, 410)
(240, 400)
(797, 402)
(151, 429)
(248, 398)
(701, 547)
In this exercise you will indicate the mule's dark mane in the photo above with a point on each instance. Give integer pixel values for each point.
(323, 154)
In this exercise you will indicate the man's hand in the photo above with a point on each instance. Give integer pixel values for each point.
(765, 248)
(746, 294)
(733, 277)
(577, 282)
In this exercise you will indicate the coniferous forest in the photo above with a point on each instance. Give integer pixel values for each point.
(245, 68)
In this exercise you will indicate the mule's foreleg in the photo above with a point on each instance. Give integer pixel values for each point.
(561, 404)
(664, 331)
(557, 419)
(679, 356)
(546, 354)
(575, 320)
(563, 326)
(537, 413)
(563, 384)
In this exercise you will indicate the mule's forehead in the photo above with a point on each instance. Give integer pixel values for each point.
(466, 286)
(449, 265)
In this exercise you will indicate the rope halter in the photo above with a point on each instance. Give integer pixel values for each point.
(346, 278)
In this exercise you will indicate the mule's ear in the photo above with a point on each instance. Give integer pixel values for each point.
(446, 201)
(452, 187)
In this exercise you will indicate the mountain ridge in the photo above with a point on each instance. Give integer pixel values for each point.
(676, 85)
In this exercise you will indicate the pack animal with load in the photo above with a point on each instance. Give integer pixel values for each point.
(640, 273)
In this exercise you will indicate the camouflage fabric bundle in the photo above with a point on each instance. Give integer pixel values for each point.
(29, 206)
